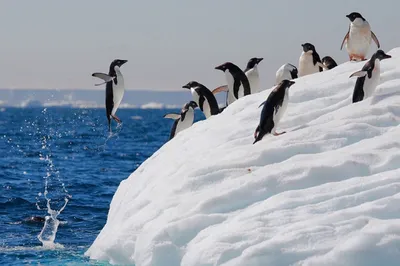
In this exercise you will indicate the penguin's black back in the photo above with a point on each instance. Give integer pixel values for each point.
(316, 59)
(109, 100)
(358, 93)
(203, 91)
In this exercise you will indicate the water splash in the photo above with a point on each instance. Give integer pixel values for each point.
(48, 234)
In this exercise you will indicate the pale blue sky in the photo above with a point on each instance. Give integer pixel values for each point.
(58, 44)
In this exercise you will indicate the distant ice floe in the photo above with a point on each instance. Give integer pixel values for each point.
(325, 193)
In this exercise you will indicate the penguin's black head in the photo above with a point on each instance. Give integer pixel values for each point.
(308, 47)
(286, 83)
(118, 63)
(294, 73)
(192, 104)
(354, 15)
(253, 62)
(191, 84)
(381, 55)
(224, 66)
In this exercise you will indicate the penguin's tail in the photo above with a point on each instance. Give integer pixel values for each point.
(257, 135)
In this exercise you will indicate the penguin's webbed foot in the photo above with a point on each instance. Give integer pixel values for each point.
(116, 119)
(277, 134)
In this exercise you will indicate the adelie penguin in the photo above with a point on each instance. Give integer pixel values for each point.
(309, 61)
(115, 89)
(328, 62)
(274, 108)
(183, 120)
(238, 83)
(204, 98)
(287, 71)
(252, 75)
(368, 77)
(358, 37)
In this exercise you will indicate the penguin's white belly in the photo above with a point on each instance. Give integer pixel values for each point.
(230, 81)
(118, 90)
(195, 96)
(277, 116)
(371, 84)
(206, 109)
(359, 40)
(186, 123)
(118, 94)
(306, 65)
(254, 80)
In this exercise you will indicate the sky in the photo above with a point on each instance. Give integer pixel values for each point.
(57, 44)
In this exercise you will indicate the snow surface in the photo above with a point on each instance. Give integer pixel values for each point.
(325, 193)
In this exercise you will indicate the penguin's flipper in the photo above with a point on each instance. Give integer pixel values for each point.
(345, 38)
(102, 76)
(360, 73)
(220, 88)
(262, 104)
(375, 39)
(322, 65)
(172, 116)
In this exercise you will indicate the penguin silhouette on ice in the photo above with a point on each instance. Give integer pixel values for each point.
(286, 71)
(204, 98)
(274, 108)
(358, 37)
(115, 89)
(183, 120)
(368, 77)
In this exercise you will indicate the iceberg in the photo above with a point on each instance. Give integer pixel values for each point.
(325, 193)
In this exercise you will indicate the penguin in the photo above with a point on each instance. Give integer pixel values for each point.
(358, 37)
(368, 77)
(183, 120)
(115, 89)
(238, 83)
(204, 98)
(286, 71)
(273, 110)
(309, 61)
(328, 62)
(252, 75)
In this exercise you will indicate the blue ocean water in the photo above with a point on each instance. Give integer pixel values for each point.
(63, 157)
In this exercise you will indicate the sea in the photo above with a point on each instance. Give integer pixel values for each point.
(59, 169)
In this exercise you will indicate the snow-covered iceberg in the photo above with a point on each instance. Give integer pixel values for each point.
(325, 193)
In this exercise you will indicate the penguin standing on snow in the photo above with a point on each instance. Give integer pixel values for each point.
(115, 89)
(309, 61)
(204, 98)
(252, 75)
(273, 110)
(328, 62)
(183, 120)
(238, 83)
(358, 37)
(287, 71)
(368, 77)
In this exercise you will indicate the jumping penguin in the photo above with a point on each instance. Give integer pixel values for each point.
(358, 37)
(368, 77)
(115, 89)
(309, 61)
(273, 110)
(204, 98)
(286, 71)
(183, 120)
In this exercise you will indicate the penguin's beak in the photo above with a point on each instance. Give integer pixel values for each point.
(291, 83)
(123, 62)
(220, 67)
(186, 86)
(259, 60)
(387, 56)
(347, 16)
